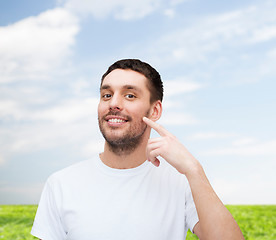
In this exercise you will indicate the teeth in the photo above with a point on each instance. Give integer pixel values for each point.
(115, 120)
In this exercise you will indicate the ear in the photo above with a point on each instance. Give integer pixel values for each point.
(155, 111)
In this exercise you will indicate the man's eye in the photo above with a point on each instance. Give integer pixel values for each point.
(130, 96)
(106, 96)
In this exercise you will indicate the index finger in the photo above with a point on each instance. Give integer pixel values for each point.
(157, 127)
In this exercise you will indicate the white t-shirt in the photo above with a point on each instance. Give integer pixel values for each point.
(90, 200)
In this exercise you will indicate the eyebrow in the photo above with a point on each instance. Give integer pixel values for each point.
(103, 87)
(106, 86)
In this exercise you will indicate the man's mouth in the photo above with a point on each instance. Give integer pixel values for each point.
(111, 119)
(116, 120)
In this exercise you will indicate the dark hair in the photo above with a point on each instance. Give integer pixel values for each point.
(155, 83)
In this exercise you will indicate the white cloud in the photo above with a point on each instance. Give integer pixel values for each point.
(244, 141)
(120, 9)
(211, 135)
(243, 191)
(263, 34)
(175, 118)
(35, 45)
(179, 86)
(218, 34)
(272, 53)
(253, 149)
(176, 2)
(93, 147)
(21, 194)
(80, 86)
(267, 66)
(69, 122)
(10, 109)
(2, 160)
(169, 13)
(45, 136)
(68, 112)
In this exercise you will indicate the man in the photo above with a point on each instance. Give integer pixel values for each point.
(118, 194)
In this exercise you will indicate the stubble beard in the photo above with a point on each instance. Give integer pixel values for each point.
(129, 141)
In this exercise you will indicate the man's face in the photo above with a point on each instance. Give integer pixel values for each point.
(125, 100)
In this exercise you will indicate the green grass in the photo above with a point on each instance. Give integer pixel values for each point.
(257, 222)
(16, 221)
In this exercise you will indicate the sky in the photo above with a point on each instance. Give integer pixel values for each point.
(216, 59)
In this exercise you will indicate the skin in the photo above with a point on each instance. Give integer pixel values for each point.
(215, 221)
(125, 92)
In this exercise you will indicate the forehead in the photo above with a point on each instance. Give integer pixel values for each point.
(123, 77)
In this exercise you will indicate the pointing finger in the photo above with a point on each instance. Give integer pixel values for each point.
(157, 127)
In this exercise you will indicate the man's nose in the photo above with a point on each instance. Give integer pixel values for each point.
(115, 102)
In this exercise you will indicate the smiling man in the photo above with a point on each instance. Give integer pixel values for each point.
(138, 188)
(124, 102)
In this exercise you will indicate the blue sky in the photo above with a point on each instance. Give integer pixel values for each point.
(217, 60)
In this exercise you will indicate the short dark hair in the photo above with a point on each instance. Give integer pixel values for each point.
(155, 83)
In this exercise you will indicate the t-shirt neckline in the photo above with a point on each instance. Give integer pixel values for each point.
(123, 172)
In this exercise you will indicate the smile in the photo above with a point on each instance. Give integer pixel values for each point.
(116, 120)
(113, 120)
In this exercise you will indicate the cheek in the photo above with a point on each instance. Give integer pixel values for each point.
(100, 109)
(140, 110)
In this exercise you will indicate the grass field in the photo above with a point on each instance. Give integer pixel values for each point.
(256, 222)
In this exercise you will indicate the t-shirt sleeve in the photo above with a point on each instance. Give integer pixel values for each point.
(48, 224)
(191, 213)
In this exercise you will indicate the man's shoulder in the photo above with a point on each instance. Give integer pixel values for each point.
(77, 169)
(84, 164)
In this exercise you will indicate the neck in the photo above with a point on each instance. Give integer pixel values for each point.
(125, 160)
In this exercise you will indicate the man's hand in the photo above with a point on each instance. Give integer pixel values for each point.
(168, 147)
(215, 221)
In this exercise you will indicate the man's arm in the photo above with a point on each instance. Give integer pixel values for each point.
(215, 221)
